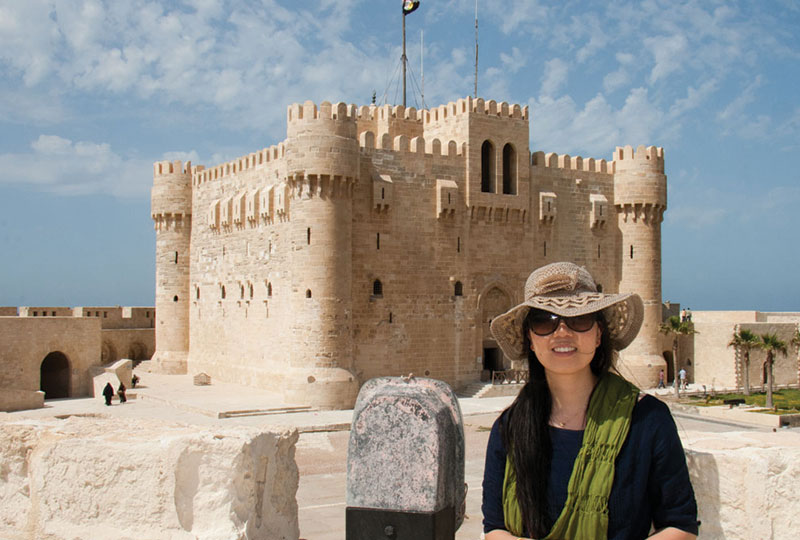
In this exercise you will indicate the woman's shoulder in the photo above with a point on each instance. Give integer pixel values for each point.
(652, 412)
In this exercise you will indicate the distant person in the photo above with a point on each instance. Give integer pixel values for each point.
(688, 314)
(108, 393)
(121, 393)
(682, 377)
(134, 381)
(661, 379)
(683, 315)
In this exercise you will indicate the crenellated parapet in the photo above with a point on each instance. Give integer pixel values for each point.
(321, 140)
(255, 160)
(573, 163)
(468, 105)
(650, 158)
(171, 195)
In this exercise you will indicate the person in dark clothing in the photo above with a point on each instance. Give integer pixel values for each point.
(121, 392)
(108, 393)
(581, 454)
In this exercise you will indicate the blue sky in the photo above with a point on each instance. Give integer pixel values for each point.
(92, 92)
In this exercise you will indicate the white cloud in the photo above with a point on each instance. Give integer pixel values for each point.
(669, 52)
(555, 77)
(513, 62)
(70, 167)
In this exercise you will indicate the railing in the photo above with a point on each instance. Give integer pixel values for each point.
(510, 376)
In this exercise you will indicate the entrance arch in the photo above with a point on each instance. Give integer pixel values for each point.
(670, 374)
(54, 377)
(493, 302)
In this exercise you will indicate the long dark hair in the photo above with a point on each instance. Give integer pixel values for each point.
(526, 434)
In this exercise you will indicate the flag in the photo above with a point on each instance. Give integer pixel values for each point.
(409, 6)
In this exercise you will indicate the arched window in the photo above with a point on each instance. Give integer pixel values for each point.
(175, 298)
(308, 293)
(487, 167)
(241, 291)
(377, 288)
(308, 236)
(509, 170)
(250, 285)
(269, 290)
(222, 291)
(197, 292)
(458, 289)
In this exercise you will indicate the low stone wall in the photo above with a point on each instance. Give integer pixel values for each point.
(86, 477)
(745, 483)
(14, 399)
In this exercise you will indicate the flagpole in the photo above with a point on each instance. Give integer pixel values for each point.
(404, 59)
(476, 49)
(422, 63)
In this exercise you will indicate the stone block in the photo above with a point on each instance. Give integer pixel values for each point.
(91, 478)
(745, 483)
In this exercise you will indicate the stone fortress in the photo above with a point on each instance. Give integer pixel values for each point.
(382, 241)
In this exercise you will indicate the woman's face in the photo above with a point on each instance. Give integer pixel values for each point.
(566, 351)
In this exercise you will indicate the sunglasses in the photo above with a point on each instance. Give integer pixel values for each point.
(545, 324)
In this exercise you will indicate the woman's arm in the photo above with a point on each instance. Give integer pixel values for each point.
(670, 533)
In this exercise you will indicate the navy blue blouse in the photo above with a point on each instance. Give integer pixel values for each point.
(651, 482)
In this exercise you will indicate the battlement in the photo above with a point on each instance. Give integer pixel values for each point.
(161, 168)
(309, 111)
(469, 105)
(573, 163)
(415, 145)
(651, 157)
(253, 160)
(386, 112)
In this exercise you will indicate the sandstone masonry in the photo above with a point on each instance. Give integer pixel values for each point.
(382, 240)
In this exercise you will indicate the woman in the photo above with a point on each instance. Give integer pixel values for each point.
(580, 454)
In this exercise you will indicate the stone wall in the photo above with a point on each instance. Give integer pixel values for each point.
(26, 341)
(90, 478)
(716, 363)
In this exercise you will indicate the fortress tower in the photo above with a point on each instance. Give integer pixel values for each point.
(171, 210)
(322, 165)
(640, 198)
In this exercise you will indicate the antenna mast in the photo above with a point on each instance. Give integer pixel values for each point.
(404, 58)
(422, 63)
(476, 49)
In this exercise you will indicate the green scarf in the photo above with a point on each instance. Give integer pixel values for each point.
(585, 514)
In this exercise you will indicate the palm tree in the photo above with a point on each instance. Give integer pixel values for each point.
(675, 327)
(744, 341)
(772, 345)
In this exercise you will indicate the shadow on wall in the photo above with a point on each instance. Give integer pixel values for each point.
(704, 473)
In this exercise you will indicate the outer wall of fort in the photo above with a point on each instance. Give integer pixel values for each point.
(382, 241)
(53, 352)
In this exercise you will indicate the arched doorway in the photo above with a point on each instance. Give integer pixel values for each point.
(137, 352)
(108, 353)
(670, 371)
(54, 376)
(493, 303)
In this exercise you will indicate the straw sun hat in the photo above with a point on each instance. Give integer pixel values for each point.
(568, 289)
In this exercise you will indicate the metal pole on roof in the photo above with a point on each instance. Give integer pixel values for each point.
(476, 49)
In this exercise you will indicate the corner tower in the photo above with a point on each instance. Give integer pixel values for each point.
(322, 164)
(171, 209)
(640, 198)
